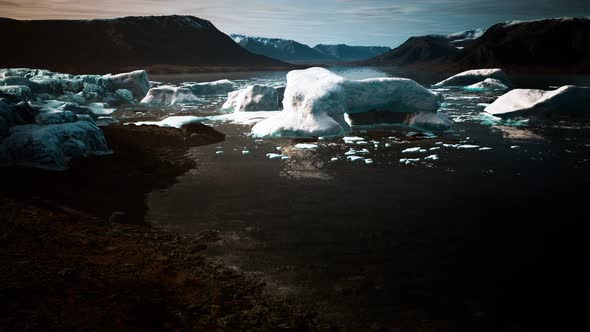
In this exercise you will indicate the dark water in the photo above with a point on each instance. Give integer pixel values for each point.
(478, 240)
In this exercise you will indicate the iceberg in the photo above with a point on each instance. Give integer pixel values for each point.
(12, 114)
(137, 82)
(317, 100)
(169, 95)
(253, 98)
(474, 76)
(51, 146)
(566, 101)
(487, 85)
(220, 87)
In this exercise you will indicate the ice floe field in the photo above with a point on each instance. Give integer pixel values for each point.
(384, 218)
(355, 211)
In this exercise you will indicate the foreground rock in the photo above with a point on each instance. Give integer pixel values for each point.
(474, 76)
(122, 277)
(567, 101)
(254, 98)
(169, 95)
(316, 101)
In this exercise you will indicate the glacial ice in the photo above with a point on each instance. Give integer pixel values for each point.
(51, 146)
(169, 95)
(316, 101)
(474, 76)
(251, 99)
(306, 146)
(16, 92)
(220, 87)
(568, 100)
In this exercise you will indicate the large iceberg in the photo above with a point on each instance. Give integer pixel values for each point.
(568, 100)
(253, 98)
(169, 95)
(475, 76)
(220, 87)
(317, 100)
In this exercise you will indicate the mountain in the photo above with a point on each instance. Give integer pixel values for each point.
(282, 49)
(343, 52)
(121, 44)
(295, 52)
(547, 45)
(426, 49)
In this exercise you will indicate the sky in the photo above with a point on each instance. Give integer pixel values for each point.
(353, 22)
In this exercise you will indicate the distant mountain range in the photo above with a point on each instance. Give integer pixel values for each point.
(295, 52)
(549, 45)
(98, 46)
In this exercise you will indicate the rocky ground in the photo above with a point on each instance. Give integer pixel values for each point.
(76, 255)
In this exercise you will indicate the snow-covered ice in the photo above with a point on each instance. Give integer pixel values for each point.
(316, 101)
(306, 146)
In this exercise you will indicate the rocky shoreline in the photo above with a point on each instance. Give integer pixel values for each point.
(81, 256)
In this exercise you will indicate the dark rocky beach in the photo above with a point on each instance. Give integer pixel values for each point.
(77, 254)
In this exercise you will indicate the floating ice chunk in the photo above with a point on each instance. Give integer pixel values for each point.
(467, 146)
(414, 149)
(474, 76)
(368, 161)
(487, 85)
(220, 87)
(101, 109)
(306, 146)
(355, 158)
(172, 121)
(434, 148)
(316, 101)
(431, 157)
(352, 139)
(245, 152)
(408, 161)
(169, 95)
(251, 99)
(568, 100)
(485, 148)
(51, 146)
(274, 156)
(104, 121)
(514, 147)
(430, 121)
(218, 152)
(334, 159)
(137, 82)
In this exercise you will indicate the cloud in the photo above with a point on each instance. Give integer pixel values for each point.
(378, 22)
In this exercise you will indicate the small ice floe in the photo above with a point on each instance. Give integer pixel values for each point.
(450, 145)
(279, 148)
(387, 145)
(334, 159)
(352, 139)
(306, 146)
(368, 161)
(485, 148)
(274, 156)
(408, 161)
(245, 152)
(355, 158)
(434, 148)
(218, 152)
(467, 146)
(431, 157)
(414, 149)
(352, 152)
(514, 147)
